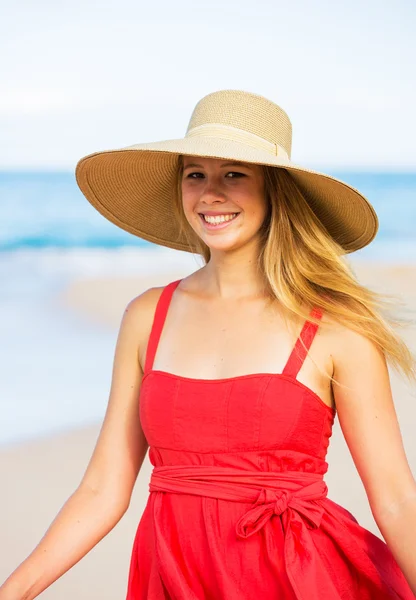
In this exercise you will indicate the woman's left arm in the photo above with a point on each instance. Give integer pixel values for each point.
(369, 423)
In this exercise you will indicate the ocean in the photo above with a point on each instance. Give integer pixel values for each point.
(55, 365)
(47, 211)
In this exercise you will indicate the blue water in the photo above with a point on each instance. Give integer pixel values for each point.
(47, 210)
(55, 364)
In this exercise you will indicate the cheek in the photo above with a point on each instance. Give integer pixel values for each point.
(254, 204)
(186, 196)
(188, 201)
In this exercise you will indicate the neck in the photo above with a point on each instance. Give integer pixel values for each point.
(233, 276)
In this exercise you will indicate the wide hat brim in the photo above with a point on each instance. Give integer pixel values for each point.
(133, 188)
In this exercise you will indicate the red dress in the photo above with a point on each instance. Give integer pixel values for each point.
(238, 506)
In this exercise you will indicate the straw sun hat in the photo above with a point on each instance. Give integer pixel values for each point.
(133, 187)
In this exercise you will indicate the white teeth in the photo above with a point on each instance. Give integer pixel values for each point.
(219, 219)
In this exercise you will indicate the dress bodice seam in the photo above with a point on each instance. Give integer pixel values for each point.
(286, 452)
(228, 380)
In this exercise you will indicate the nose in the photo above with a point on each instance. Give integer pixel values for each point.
(212, 190)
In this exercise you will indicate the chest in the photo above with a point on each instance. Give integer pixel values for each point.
(214, 342)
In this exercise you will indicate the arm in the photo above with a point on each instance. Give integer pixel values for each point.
(104, 493)
(369, 423)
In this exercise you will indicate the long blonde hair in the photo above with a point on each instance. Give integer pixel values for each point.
(304, 267)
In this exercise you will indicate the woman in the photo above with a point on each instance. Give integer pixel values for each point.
(240, 369)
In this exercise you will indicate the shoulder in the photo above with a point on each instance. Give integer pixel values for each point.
(140, 311)
(351, 349)
(356, 359)
(146, 301)
(138, 319)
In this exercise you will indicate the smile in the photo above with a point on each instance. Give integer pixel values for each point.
(218, 222)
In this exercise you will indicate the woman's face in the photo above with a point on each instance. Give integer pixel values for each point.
(229, 192)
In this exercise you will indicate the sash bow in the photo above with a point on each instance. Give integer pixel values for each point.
(271, 503)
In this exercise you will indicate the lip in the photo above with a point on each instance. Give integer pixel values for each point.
(212, 226)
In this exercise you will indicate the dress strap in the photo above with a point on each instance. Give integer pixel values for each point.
(303, 343)
(158, 322)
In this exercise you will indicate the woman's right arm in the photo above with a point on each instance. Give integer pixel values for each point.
(104, 492)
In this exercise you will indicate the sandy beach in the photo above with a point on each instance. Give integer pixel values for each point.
(39, 476)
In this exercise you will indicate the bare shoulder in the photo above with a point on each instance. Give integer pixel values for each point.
(138, 318)
(144, 303)
(361, 384)
(139, 312)
(349, 348)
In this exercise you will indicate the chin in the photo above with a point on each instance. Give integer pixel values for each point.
(225, 247)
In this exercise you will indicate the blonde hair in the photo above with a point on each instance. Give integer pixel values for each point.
(304, 268)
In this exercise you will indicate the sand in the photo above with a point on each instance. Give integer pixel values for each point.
(38, 476)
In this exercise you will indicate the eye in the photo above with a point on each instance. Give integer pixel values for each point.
(194, 175)
(234, 175)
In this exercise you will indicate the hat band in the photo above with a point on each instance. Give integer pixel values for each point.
(225, 132)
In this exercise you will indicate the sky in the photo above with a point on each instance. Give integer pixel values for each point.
(83, 76)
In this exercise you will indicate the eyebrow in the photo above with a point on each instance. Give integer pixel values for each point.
(228, 164)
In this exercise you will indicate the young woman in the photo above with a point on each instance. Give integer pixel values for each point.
(232, 378)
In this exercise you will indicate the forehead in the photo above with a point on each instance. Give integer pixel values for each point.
(202, 162)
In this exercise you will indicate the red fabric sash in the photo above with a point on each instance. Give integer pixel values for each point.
(296, 497)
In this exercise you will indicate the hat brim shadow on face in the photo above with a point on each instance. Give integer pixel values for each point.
(133, 188)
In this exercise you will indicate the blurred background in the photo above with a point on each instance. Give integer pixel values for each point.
(78, 77)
